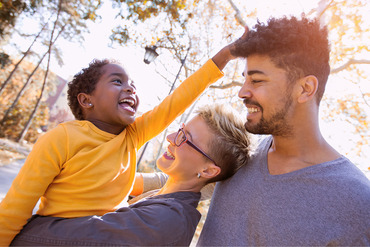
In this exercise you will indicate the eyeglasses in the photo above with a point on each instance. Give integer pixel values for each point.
(181, 138)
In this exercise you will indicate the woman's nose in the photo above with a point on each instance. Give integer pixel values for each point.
(171, 138)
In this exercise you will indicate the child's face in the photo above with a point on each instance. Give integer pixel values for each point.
(114, 100)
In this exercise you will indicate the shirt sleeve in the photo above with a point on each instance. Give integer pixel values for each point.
(153, 122)
(39, 170)
(154, 180)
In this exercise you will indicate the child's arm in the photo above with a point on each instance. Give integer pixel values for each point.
(151, 123)
(35, 176)
(225, 54)
(154, 122)
(138, 187)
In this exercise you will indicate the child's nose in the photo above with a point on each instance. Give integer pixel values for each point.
(130, 89)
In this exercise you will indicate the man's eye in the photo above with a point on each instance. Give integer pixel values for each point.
(257, 81)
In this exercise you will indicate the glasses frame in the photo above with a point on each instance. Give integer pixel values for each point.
(186, 140)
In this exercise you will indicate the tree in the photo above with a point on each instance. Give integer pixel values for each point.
(17, 117)
(37, 105)
(23, 57)
(69, 22)
(9, 12)
(348, 29)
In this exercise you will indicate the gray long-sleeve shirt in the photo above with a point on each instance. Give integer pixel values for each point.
(325, 204)
(163, 220)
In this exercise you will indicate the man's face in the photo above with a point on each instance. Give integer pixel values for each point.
(267, 95)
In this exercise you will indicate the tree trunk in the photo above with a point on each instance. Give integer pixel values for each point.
(29, 121)
(24, 56)
(23, 89)
(21, 92)
(51, 43)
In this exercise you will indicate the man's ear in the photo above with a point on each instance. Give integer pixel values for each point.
(211, 171)
(308, 88)
(84, 100)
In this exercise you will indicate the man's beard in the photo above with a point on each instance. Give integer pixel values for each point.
(276, 125)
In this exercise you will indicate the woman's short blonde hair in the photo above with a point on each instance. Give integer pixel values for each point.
(231, 143)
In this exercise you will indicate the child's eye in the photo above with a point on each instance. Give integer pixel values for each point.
(117, 81)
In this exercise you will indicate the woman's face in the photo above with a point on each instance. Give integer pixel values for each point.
(185, 162)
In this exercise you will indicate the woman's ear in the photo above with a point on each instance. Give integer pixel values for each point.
(211, 171)
(84, 100)
(308, 88)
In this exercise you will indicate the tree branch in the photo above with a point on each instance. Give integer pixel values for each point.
(348, 63)
(238, 17)
(229, 85)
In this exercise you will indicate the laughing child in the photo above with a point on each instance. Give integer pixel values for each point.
(87, 166)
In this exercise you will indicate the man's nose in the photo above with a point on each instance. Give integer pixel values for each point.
(245, 90)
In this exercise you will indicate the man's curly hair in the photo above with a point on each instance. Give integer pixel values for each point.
(299, 46)
(84, 82)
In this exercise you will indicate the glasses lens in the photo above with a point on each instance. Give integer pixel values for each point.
(180, 137)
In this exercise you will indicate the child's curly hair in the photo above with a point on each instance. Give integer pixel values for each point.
(300, 47)
(84, 82)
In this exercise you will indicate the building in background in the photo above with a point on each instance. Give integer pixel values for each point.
(59, 110)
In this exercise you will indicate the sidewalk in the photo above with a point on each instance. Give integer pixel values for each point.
(7, 174)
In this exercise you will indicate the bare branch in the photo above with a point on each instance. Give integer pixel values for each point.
(348, 63)
(51, 43)
(238, 17)
(229, 85)
(363, 96)
(24, 56)
(323, 6)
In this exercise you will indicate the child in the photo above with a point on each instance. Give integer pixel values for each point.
(87, 166)
(210, 147)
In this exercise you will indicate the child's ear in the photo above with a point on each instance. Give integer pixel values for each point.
(211, 171)
(84, 100)
(308, 85)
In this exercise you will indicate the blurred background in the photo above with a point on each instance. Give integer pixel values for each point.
(44, 43)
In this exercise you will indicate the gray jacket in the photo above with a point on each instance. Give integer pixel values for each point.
(169, 219)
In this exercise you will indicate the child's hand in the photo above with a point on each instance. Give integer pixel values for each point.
(233, 46)
(226, 53)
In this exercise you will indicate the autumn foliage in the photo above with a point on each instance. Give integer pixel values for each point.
(14, 123)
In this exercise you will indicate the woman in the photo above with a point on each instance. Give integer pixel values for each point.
(211, 147)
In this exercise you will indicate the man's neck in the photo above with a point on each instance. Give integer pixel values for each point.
(305, 148)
